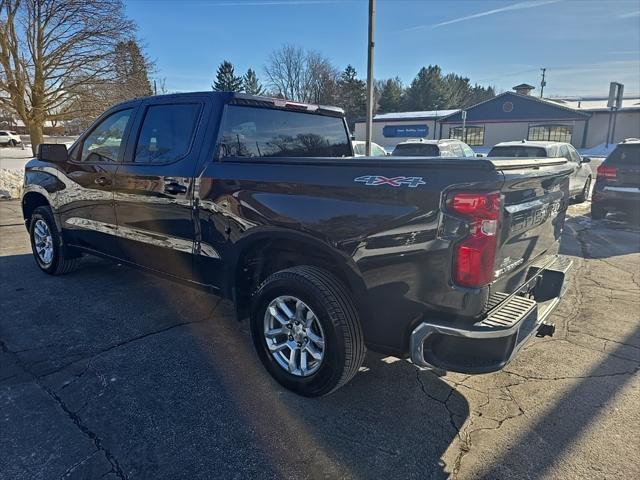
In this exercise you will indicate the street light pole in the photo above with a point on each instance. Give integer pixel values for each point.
(369, 122)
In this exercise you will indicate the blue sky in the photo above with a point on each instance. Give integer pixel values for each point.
(584, 44)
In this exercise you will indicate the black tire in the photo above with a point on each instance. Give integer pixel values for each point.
(63, 260)
(597, 213)
(584, 195)
(12, 143)
(327, 297)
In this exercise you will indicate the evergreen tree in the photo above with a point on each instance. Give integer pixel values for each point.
(425, 91)
(352, 94)
(391, 95)
(226, 80)
(131, 72)
(251, 84)
(430, 90)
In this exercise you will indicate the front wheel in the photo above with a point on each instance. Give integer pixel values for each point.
(584, 195)
(48, 250)
(306, 330)
(12, 143)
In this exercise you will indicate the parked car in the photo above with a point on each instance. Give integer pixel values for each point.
(580, 180)
(9, 139)
(359, 149)
(433, 148)
(261, 201)
(617, 185)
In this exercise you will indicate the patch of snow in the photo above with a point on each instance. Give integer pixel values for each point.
(598, 151)
(11, 182)
(414, 115)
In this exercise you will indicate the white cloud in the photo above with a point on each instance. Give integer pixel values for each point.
(508, 8)
(630, 14)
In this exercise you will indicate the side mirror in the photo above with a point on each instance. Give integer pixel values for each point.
(586, 159)
(53, 152)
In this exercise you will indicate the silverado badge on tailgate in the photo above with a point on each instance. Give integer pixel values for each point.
(531, 218)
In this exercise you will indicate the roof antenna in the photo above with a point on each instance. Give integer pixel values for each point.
(543, 83)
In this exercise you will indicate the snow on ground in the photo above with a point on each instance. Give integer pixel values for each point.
(11, 183)
(601, 150)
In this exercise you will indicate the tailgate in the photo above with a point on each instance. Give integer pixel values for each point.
(535, 198)
(626, 160)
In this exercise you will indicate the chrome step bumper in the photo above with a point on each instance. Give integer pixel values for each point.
(491, 343)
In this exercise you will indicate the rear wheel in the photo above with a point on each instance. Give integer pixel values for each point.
(12, 143)
(51, 255)
(584, 195)
(306, 331)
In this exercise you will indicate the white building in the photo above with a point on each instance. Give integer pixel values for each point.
(514, 116)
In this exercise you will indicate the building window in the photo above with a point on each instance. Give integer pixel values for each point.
(474, 136)
(552, 133)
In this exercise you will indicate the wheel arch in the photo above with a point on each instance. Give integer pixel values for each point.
(268, 251)
(31, 200)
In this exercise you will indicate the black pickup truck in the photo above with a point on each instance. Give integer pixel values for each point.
(452, 263)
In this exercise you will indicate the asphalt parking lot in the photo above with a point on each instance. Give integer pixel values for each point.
(112, 373)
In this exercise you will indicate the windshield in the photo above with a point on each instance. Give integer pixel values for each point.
(625, 155)
(518, 151)
(416, 150)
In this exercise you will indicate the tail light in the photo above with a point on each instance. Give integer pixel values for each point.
(474, 257)
(607, 172)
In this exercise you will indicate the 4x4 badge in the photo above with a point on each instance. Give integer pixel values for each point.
(394, 182)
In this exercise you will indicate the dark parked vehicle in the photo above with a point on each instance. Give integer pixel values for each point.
(580, 179)
(451, 262)
(433, 148)
(617, 186)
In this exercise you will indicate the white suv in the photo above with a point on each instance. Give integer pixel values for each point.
(9, 139)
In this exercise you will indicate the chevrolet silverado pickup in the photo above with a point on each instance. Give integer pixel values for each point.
(452, 263)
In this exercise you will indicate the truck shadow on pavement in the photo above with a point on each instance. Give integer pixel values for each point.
(127, 373)
(561, 426)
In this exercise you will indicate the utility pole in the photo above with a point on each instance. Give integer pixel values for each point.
(369, 122)
(155, 88)
(543, 83)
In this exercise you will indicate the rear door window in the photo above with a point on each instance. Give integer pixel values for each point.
(518, 151)
(625, 155)
(416, 150)
(468, 151)
(358, 149)
(265, 133)
(167, 132)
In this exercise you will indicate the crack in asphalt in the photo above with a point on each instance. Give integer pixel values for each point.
(73, 416)
(122, 343)
(573, 377)
(77, 421)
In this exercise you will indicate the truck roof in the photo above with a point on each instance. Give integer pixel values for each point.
(255, 100)
(541, 143)
(425, 141)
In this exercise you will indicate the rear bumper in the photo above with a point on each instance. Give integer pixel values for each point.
(488, 345)
(613, 198)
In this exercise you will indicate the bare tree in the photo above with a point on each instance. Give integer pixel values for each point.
(301, 76)
(54, 51)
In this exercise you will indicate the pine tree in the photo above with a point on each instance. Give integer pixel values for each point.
(391, 95)
(251, 84)
(426, 90)
(131, 72)
(226, 80)
(352, 94)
